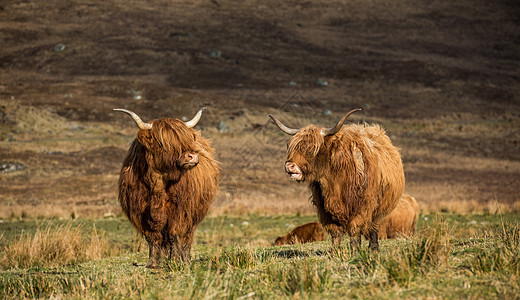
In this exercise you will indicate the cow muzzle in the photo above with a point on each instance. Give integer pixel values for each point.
(294, 171)
(189, 160)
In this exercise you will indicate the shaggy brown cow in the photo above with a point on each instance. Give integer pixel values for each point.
(354, 172)
(401, 221)
(306, 233)
(167, 183)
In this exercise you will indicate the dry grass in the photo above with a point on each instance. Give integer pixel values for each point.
(55, 246)
(441, 261)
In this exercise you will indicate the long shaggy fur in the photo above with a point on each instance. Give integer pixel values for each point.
(162, 200)
(356, 177)
(402, 220)
(306, 233)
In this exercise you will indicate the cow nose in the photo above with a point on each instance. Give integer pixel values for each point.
(192, 158)
(290, 167)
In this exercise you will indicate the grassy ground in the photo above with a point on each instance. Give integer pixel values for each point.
(452, 256)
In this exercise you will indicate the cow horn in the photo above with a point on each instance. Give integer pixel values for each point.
(142, 125)
(195, 119)
(335, 129)
(289, 131)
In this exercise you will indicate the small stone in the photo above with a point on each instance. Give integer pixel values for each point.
(292, 83)
(222, 127)
(215, 53)
(322, 82)
(136, 94)
(327, 112)
(8, 167)
(109, 215)
(59, 47)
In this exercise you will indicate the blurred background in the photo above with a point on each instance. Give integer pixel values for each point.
(442, 77)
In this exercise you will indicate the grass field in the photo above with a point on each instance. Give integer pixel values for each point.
(451, 256)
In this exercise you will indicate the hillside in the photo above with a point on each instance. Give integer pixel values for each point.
(442, 77)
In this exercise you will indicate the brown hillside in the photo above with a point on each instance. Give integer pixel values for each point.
(442, 77)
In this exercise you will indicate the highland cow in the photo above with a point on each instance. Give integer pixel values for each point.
(167, 183)
(306, 233)
(402, 220)
(354, 172)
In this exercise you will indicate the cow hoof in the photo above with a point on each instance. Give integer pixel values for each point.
(151, 265)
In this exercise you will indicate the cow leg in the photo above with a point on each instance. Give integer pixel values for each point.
(186, 247)
(180, 248)
(186, 253)
(355, 242)
(336, 232)
(174, 246)
(355, 227)
(336, 240)
(154, 254)
(373, 242)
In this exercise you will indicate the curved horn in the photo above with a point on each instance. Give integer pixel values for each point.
(142, 125)
(335, 129)
(289, 131)
(195, 119)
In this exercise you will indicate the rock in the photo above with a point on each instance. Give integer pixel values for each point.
(223, 128)
(215, 53)
(59, 47)
(292, 83)
(8, 167)
(136, 94)
(109, 215)
(322, 82)
(76, 127)
(327, 112)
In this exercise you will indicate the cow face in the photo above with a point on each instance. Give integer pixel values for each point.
(304, 147)
(171, 146)
(302, 152)
(280, 241)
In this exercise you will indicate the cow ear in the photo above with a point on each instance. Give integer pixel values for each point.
(339, 155)
(145, 138)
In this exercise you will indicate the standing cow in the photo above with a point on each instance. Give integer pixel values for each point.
(167, 183)
(354, 172)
